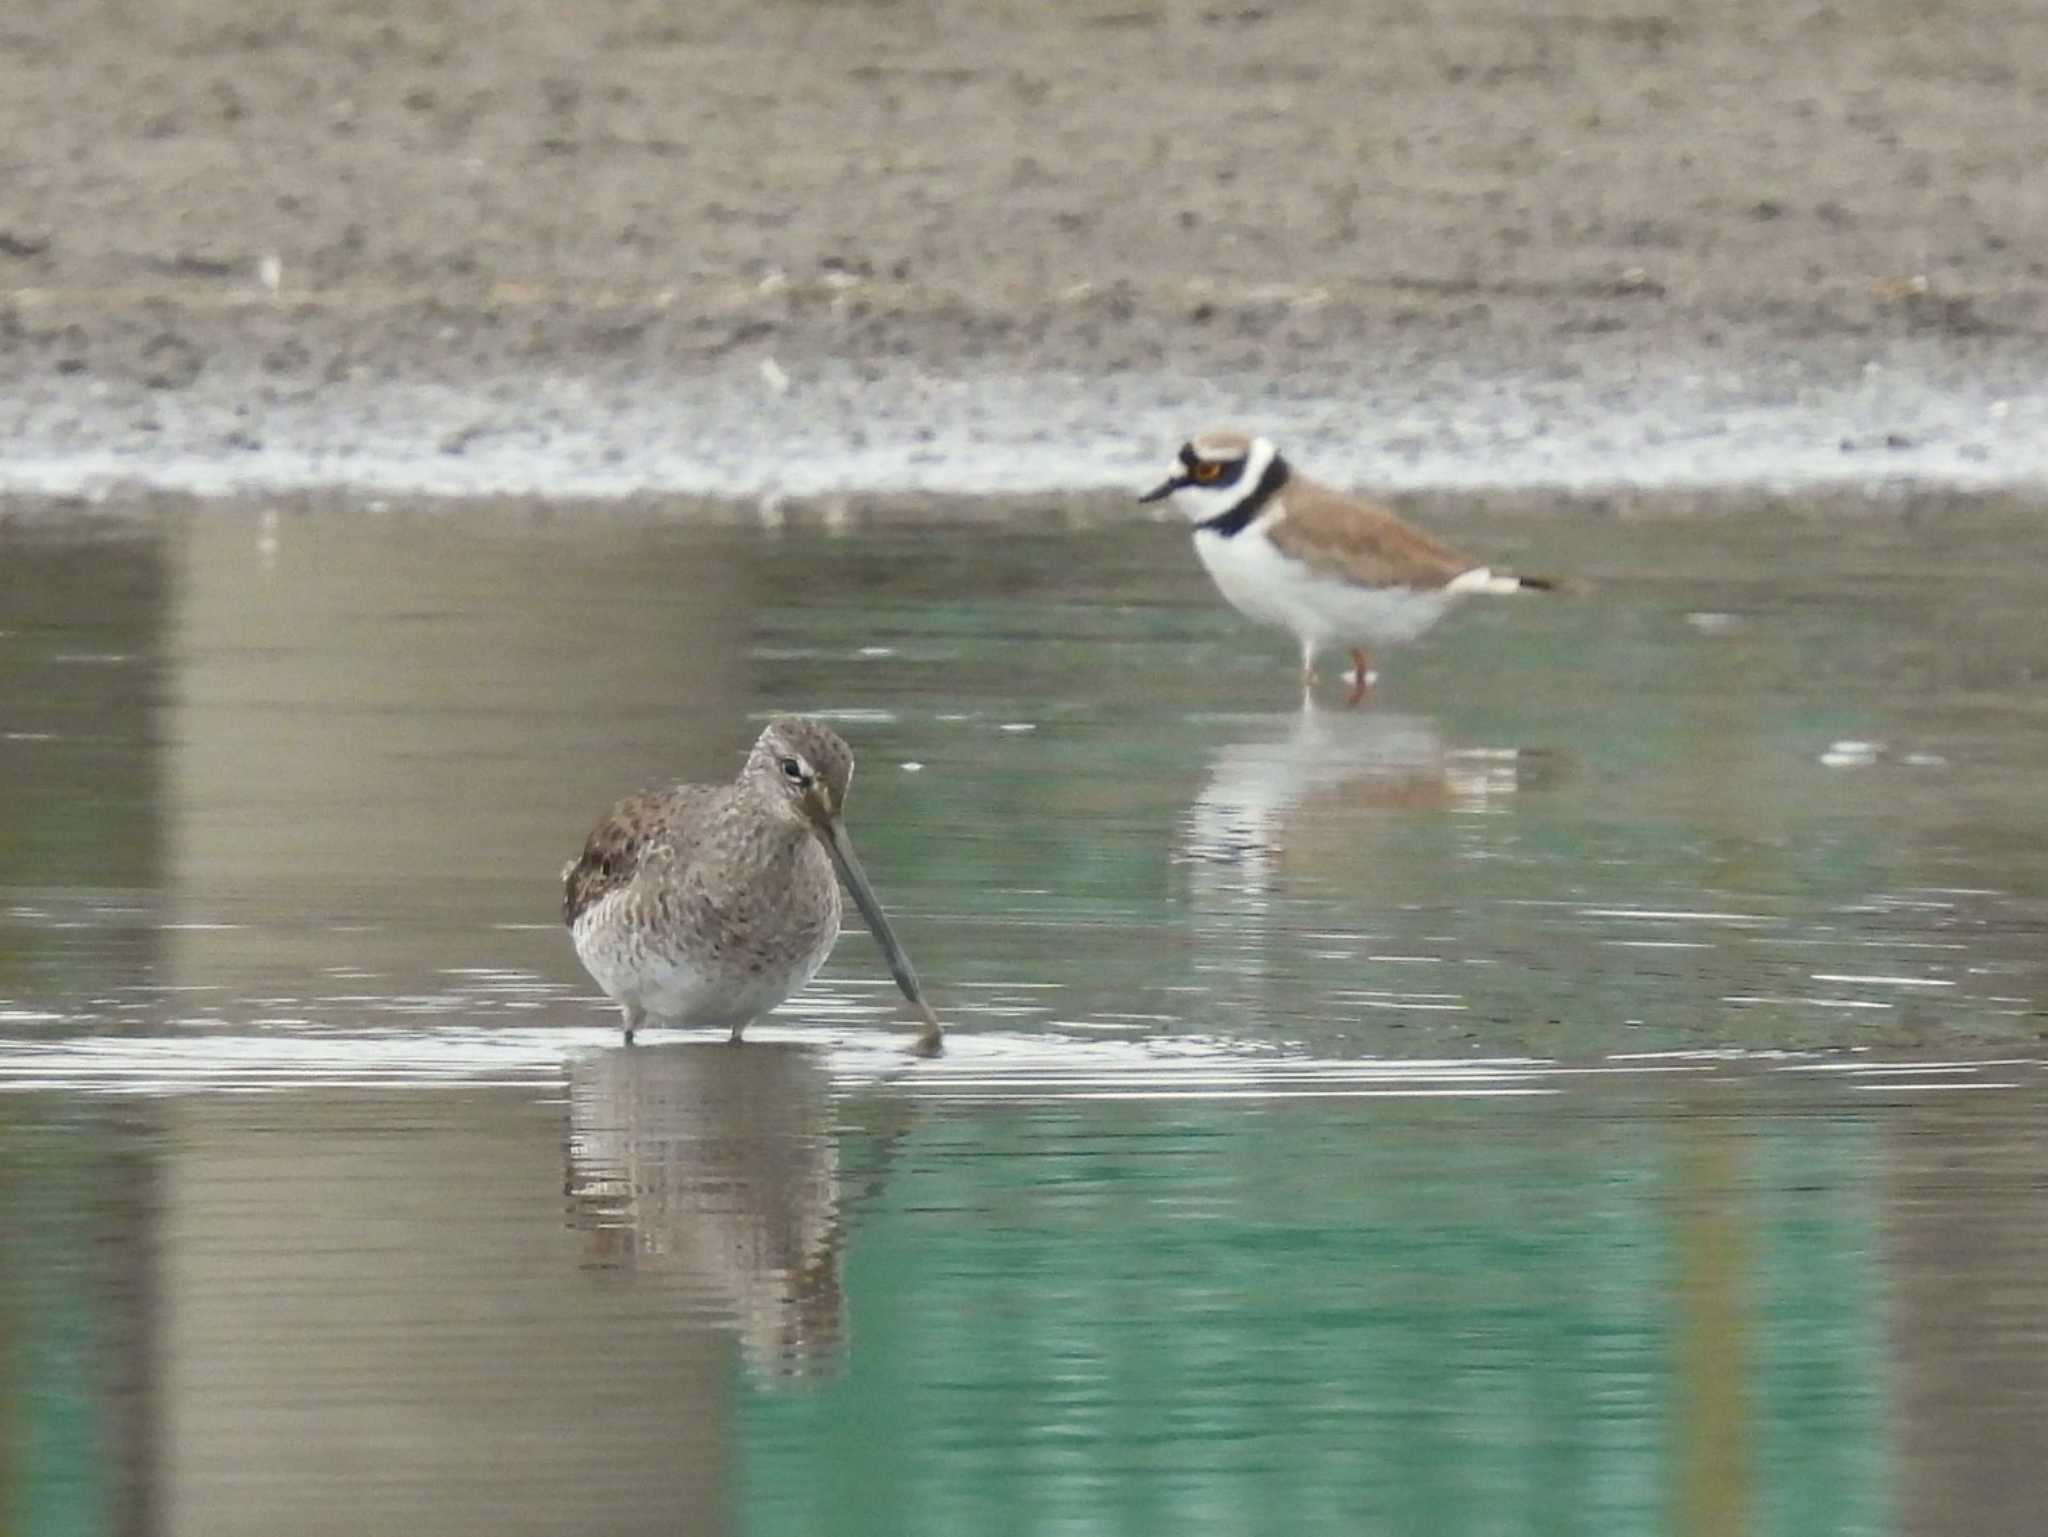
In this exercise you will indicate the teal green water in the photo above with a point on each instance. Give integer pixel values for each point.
(1594, 1089)
(1349, 1317)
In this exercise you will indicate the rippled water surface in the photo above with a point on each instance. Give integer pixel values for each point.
(1596, 1088)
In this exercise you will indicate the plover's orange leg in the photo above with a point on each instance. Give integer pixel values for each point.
(1361, 677)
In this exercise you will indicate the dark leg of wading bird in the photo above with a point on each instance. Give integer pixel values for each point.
(710, 904)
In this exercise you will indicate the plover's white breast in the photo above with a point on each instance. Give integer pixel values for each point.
(1264, 584)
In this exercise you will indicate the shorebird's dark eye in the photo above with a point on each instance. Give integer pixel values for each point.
(792, 769)
(1207, 470)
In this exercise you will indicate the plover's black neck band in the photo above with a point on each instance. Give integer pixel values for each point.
(1231, 522)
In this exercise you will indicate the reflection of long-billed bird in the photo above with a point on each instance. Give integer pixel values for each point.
(710, 904)
(719, 1169)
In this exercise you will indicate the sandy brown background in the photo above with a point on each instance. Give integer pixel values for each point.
(1361, 216)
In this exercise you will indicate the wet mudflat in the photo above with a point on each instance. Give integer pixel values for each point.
(1591, 1089)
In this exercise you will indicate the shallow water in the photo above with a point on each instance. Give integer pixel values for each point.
(1593, 1089)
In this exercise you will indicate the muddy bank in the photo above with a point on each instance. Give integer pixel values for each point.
(785, 247)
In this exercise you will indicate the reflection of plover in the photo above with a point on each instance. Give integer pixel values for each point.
(710, 904)
(1334, 569)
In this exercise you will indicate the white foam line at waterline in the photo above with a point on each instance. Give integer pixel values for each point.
(1965, 1066)
(995, 1067)
(1675, 915)
(835, 429)
(1708, 1057)
(583, 467)
(1134, 1075)
(1818, 1003)
(1258, 1091)
(1895, 1087)
(286, 1060)
(1334, 1075)
(1839, 976)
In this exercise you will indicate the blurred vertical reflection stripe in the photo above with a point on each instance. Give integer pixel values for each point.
(83, 670)
(367, 716)
(376, 1319)
(80, 1410)
(379, 1322)
(83, 617)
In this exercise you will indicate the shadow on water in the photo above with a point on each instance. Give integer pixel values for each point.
(1594, 1091)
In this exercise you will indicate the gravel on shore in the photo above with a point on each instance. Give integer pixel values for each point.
(797, 245)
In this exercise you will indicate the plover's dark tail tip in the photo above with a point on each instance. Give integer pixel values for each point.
(1562, 586)
(1492, 583)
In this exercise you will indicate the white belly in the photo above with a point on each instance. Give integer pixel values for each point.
(1266, 585)
(676, 981)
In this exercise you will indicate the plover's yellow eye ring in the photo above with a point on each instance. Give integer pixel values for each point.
(1206, 471)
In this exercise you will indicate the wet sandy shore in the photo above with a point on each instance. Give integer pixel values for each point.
(790, 246)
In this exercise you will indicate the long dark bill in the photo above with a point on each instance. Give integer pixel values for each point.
(840, 847)
(1164, 489)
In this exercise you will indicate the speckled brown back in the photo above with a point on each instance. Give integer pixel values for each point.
(613, 853)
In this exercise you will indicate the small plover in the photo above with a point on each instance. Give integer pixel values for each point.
(1334, 569)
